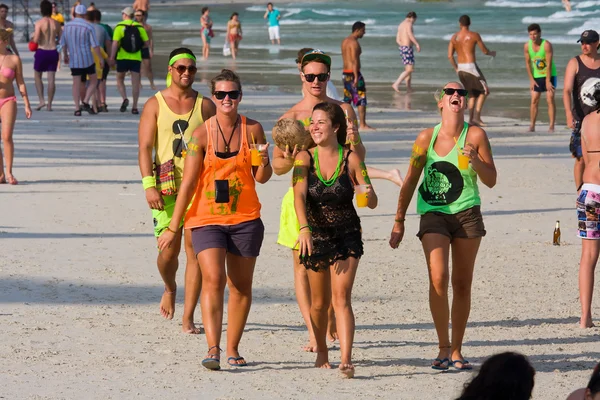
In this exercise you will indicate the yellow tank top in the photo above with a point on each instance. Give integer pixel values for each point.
(163, 145)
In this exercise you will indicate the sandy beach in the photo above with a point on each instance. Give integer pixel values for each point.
(79, 287)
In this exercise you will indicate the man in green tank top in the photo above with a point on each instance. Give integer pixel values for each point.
(538, 57)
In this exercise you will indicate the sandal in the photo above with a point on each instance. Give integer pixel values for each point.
(213, 361)
(233, 361)
(135, 111)
(124, 105)
(88, 108)
(77, 113)
(103, 107)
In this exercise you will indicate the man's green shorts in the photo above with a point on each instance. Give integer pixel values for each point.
(162, 218)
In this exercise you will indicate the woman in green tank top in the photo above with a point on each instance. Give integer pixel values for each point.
(452, 156)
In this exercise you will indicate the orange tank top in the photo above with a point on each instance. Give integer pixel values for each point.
(243, 203)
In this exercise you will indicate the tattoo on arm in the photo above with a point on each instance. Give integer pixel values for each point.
(418, 156)
(193, 147)
(298, 173)
(365, 174)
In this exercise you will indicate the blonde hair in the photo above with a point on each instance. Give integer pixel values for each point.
(5, 34)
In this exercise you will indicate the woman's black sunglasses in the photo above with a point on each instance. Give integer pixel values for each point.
(182, 68)
(451, 91)
(233, 94)
(311, 77)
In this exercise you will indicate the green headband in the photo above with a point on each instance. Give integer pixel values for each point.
(176, 58)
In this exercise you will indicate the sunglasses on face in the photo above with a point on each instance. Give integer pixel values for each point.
(320, 77)
(138, 15)
(451, 91)
(233, 94)
(179, 127)
(182, 68)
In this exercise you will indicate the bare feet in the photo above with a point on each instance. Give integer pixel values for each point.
(322, 360)
(190, 328)
(11, 179)
(347, 370)
(167, 304)
(551, 128)
(40, 106)
(49, 108)
(311, 347)
(531, 129)
(396, 177)
(586, 324)
(478, 122)
(365, 127)
(396, 88)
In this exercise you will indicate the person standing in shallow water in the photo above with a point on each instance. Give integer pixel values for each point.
(330, 238)
(449, 204)
(166, 125)
(405, 39)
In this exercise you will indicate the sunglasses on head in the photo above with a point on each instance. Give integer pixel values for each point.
(451, 91)
(179, 127)
(320, 77)
(233, 94)
(182, 68)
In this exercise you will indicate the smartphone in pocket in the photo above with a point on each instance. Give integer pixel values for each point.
(221, 191)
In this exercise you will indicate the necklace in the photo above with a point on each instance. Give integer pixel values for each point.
(227, 142)
(330, 181)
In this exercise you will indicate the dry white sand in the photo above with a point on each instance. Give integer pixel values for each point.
(79, 287)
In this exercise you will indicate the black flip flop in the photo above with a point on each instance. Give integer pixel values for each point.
(135, 111)
(124, 105)
(78, 113)
(88, 108)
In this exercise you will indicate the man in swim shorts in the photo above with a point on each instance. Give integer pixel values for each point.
(166, 125)
(405, 40)
(463, 43)
(355, 91)
(47, 30)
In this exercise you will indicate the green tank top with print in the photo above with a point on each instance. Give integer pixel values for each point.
(539, 64)
(446, 188)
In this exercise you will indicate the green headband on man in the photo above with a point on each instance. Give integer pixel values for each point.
(176, 58)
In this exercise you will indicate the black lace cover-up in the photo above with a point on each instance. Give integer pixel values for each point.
(335, 225)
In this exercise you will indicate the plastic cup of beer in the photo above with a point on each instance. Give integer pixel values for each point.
(463, 161)
(255, 156)
(361, 195)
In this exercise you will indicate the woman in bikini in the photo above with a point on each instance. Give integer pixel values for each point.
(224, 216)
(11, 69)
(451, 156)
(234, 33)
(330, 238)
(206, 32)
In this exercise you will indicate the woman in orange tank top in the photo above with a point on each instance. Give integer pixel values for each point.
(225, 214)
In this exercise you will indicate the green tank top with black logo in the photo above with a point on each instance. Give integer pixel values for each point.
(539, 64)
(446, 188)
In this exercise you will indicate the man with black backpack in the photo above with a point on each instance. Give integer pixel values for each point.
(129, 38)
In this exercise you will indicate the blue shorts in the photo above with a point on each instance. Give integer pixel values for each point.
(575, 142)
(407, 54)
(541, 84)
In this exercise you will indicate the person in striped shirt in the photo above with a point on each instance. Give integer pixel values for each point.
(78, 42)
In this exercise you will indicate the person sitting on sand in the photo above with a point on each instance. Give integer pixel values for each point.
(330, 236)
(507, 376)
(588, 204)
(224, 217)
(591, 391)
(11, 70)
(449, 204)
(166, 125)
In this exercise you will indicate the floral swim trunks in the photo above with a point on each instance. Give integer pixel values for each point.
(588, 212)
(356, 95)
(407, 54)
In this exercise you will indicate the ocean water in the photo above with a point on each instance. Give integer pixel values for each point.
(502, 24)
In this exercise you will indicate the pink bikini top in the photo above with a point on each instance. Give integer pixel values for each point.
(7, 72)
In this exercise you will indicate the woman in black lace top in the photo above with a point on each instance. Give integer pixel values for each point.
(330, 234)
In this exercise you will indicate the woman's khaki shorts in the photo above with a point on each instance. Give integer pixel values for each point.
(467, 224)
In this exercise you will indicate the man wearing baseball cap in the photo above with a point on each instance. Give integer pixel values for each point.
(581, 77)
(129, 37)
(77, 42)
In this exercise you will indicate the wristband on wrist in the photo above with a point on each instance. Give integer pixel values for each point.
(148, 182)
(355, 143)
(304, 227)
(171, 230)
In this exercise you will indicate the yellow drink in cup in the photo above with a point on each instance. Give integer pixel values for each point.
(255, 154)
(361, 195)
(463, 161)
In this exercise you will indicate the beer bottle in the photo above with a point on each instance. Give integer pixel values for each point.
(556, 237)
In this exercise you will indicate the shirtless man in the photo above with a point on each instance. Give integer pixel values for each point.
(463, 43)
(6, 24)
(46, 57)
(405, 39)
(567, 4)
(315, 73)
(147, 52)
(355, 91)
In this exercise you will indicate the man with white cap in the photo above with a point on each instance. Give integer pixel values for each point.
(129, 37)
(77, 42)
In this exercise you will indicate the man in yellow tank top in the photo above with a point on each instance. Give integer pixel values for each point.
(166, 125)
